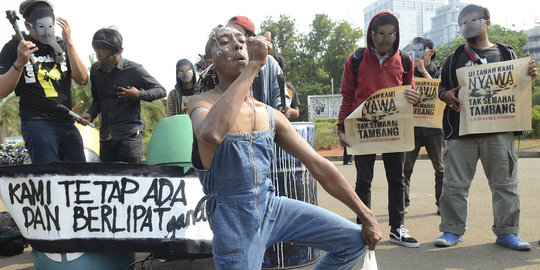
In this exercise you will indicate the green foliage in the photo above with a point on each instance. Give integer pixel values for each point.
(314, 58)
(326, 136)
(535, 120)
(497, 34)
(151, 113)
(517, 39)
(445, 50)
(10, 125)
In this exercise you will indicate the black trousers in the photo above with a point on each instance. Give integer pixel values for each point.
(434, 145)
(393, 165)
(129, 149)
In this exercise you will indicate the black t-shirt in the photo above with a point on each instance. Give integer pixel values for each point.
(42, 89)
(295, 101)
(489, 55)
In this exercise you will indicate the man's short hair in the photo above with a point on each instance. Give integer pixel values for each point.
(482, 11)
(279, 58)
(430, 45)
(27, 6)
(108, 39)
(384, 19)
(245, 23)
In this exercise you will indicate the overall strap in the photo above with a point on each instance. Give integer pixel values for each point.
(270, 115)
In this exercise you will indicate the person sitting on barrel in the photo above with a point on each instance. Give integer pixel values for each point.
(232, 152)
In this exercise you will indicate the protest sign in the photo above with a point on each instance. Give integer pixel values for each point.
(382, 124)
(429, 112)
(495, 97)
(73, 207)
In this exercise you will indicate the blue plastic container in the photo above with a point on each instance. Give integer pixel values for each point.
(86, 261)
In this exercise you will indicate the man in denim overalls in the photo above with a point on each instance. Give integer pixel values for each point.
(232, 154)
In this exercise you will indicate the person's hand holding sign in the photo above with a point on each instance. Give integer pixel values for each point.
(412, 96)
(533, 71)
(451, 100)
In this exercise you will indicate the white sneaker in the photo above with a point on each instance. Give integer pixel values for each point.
(401, 236)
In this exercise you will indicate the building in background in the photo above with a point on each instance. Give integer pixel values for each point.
(444, 25)
(533, 44)
(414, 16)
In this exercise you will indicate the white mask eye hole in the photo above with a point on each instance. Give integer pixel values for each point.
(219, 53)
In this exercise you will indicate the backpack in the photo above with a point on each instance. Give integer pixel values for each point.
(359, 54)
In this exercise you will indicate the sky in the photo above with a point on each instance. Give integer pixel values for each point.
(158, 33)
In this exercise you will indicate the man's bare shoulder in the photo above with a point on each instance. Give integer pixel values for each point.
(204, 100)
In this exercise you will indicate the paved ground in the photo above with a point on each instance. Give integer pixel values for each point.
(478, 251)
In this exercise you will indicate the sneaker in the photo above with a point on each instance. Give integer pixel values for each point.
(401, 236)
(513, 241)
(448, 239)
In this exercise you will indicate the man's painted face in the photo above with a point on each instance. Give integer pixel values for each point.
(231, 46)
(107, 60)
(419, 50)
(44, 30)
(185, 73)
(384, 38)
(471, 25)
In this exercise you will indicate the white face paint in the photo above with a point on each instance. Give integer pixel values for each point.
(44, 30)
(471, 25)
(185, 73)
(418, 50)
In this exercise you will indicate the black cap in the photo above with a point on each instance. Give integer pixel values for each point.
(28, 5)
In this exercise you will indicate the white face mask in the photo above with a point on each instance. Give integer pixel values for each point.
(471, 21)
(418, 50)
(185, 73)
(471, 25)
(44, 29)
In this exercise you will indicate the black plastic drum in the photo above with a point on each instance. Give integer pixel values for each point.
(292, 179)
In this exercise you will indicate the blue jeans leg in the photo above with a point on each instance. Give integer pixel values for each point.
(302, 223)
(71, 147)
(50, 141)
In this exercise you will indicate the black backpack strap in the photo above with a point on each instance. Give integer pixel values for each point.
(356, 59)
(406, 63)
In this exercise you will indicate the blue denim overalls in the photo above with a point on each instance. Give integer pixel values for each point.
(246, 217)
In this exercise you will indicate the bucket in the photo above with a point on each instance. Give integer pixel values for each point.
(90, 137)
(87, 260)
(292, 180)
(171, 142)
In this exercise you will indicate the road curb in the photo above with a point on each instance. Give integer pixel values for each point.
(522, 154)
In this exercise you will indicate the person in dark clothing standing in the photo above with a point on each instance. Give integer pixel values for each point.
(381, 67)
(185, 88)
(461, 154)
(118, 86)
(347, 159)
(49, 133)
(430, 138)
(294, 110)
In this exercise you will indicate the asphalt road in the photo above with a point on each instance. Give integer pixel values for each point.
(478, 251)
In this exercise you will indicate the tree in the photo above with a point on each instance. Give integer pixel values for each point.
(497, 33)
(324, 51)
(313, 59)
(10, 124)
(341, 44)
